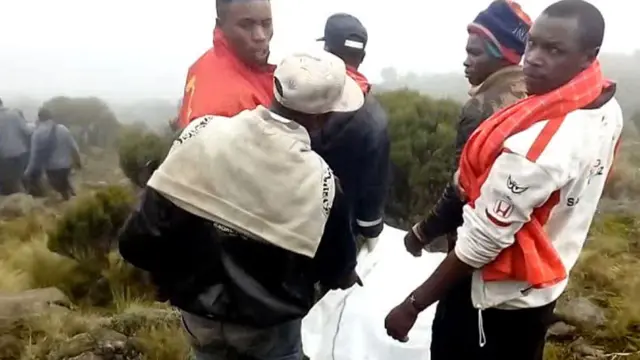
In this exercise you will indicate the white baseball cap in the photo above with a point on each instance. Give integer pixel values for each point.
(316, 82)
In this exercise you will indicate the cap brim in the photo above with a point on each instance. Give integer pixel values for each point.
(352, 97)
(320, 39)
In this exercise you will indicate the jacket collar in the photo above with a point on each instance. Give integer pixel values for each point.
(500, 76)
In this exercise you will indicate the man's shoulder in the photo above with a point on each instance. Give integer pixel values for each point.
(212, 60)
(371, 119)
(62, 128)
(565, 147)
(11, 115)
(495, 98)
(203, 59)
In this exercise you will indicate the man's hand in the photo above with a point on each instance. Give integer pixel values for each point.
(413, 241)
(400, 321)
(371, 243)
(349, 280)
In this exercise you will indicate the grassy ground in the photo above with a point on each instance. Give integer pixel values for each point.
(608, 268)
(606, 274)
(27, 263)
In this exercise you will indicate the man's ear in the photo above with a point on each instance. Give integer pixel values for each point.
(590, 56)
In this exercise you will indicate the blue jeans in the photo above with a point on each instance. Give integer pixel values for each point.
(213, 340)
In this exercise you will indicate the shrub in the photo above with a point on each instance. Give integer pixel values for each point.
(87, 229)
(137, 149)
(422, 132)
(90, 119)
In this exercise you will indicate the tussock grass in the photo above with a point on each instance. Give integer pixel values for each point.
(26, 263)
(606, 273)
(163, 342)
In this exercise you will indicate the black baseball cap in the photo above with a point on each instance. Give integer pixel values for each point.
(343, 31)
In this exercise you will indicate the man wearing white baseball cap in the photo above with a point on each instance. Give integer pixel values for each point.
(242, 219)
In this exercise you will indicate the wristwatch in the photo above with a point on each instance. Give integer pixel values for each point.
(418, 233)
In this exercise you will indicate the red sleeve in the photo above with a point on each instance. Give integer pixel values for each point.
(185, 115)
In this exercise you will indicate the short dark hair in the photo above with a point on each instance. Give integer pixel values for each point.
(45, 114)
(221, 6)
(590, 20)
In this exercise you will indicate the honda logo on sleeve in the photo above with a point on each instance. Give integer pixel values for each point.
(503, 208)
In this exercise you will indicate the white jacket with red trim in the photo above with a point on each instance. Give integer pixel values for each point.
(568, 176)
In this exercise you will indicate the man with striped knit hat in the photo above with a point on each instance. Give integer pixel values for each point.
(497, 39)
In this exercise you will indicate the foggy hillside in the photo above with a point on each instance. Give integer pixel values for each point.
(624, 69)
(155, 113)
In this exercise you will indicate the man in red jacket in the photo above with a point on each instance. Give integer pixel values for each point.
(234, 74)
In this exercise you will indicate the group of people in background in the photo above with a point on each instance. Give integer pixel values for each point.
(27, 154)
(279, 170)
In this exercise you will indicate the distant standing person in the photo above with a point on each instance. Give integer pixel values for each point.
(14, 149)
(54, 151)
(356, 144)
(496, 43)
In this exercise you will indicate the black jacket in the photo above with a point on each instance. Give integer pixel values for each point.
(210, 270)
(356, 147)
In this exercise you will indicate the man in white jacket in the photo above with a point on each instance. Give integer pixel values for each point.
(532, 176)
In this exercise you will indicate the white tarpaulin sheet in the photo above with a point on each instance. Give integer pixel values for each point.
(349, 325)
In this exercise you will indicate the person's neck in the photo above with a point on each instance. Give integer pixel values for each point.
(353, 67)
(294, 116)
(497, 76)
(604, 97)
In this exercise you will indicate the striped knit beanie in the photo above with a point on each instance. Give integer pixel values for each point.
(505, 26)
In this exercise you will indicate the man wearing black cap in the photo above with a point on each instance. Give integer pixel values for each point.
(356, 145)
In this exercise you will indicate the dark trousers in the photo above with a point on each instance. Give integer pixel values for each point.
(212, 340)
(60, 181)
(11, 171)
(510, 334)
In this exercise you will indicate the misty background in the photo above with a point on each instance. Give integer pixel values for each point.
(135, 54)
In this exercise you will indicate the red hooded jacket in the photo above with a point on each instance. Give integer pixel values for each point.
(219, 83)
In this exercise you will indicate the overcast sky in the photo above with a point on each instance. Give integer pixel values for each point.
(142, 48)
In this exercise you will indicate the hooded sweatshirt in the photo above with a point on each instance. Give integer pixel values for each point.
(221, 84)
